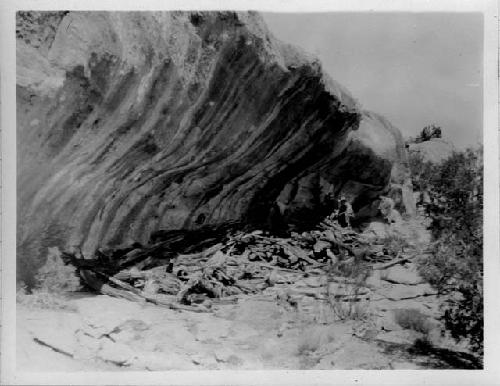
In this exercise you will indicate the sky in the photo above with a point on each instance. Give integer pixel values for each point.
(413, 68)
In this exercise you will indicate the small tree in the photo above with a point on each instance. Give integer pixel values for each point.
(421, 171)
(455, 266)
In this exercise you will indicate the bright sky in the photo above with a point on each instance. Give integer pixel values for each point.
(413, 68)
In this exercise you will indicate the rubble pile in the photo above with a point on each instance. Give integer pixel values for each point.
(192, 270)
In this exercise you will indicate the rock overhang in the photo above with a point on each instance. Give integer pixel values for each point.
(179, 120)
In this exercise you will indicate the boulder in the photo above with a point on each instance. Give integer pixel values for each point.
(434, 150)
(399, 274)
(376, 230)
(396, 292)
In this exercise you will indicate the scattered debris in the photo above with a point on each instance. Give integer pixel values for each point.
(192, 270)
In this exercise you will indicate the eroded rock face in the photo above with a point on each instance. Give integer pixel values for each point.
(133, 122)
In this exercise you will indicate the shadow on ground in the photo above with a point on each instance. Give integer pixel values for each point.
(428, 356)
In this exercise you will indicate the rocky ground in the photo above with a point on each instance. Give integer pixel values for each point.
(302, 320)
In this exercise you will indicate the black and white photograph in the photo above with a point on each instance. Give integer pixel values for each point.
(248, 189)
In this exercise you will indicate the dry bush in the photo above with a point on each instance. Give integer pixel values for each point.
(32, 252)
(348, 307)
(314, 337)
(54, 280)
(395, 242)
(350, 310)
(55, 276)
(412, 319)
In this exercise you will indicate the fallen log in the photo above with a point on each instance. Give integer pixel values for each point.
(154, 300)
(106, 289)
(126, 291)
(160, 272)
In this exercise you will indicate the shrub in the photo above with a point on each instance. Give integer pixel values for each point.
(412, 319)
(55, 276)
(455, 263)
(463, 317)
(356, 272)
(53, 281)
(32, 252)
(421, 171)
(422, 346)
(312, 338)
(349, 310)
(350, 306)
(451, 264)
(395, 242)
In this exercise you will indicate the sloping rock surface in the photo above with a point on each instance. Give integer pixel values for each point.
(434, 150)
(133, 122)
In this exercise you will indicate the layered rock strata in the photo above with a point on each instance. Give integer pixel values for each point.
(133, 122)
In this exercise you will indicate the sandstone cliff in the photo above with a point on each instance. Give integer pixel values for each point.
(130, 122)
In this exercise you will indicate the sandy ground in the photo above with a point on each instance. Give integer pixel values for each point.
(33, 355)
(257, 332)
